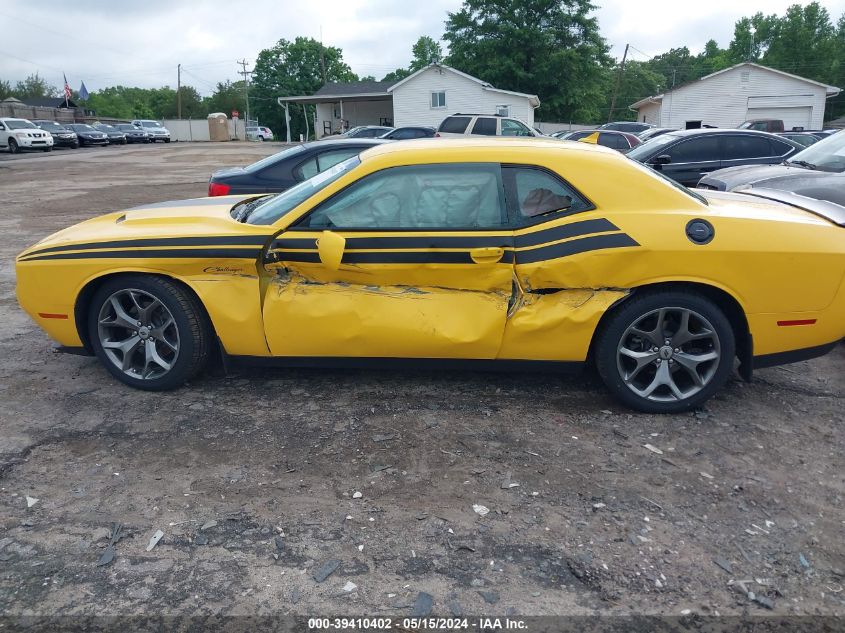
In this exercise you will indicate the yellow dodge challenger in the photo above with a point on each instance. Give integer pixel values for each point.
(492, 253)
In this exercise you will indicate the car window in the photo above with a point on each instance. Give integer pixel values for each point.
(536, 192)
(779, 148)
(739, 146)
(418, 197)
(454, 124)
(514, 128)
(332, 158)
(704, 148)
(615, 141)
(486, 126)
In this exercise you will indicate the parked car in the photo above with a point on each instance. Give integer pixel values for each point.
(633, 127)
(260, 132)
(483, 125)
(366, 131)
(622, 141)
(762, 125)
(134, 134)
(651, 132)
(287, 168)
(687, 155)
(20, 134)
(62, 136)
(114, 136)
(87, 135)
(802, 138)
(816, 172)
(155, 129)
(409, 132)
(406, 256)
(563, 135)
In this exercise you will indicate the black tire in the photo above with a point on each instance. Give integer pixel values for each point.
(13, 146)
(615, 332)
(48, 149)
(75, 146)
(167, 140)
(191, 322)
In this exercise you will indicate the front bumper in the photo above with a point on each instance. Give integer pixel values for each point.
(70, 141)
(32, 142)
(93, 141)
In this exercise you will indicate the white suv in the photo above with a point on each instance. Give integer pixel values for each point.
(259, 132)
(155, 130)
(18, 134)
(483, 125)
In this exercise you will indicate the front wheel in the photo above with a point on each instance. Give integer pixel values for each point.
(13, 146)
(665, 352)
(149, 332)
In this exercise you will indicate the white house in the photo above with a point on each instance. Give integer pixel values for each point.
(425, 97)
(740, 93)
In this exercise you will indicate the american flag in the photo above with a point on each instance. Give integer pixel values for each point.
(67, 89)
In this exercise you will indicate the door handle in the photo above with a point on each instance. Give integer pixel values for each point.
(489, 255)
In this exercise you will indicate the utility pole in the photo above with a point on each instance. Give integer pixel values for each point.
(246, 74)
(618, 79)
(179, 91)
(322, 57)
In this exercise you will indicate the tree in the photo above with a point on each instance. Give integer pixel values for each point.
(5, 89)
(293, 68)
(551, 48)
(425, 51)
(34, 87)
(397, 75)
(227, 96)
(636, 82)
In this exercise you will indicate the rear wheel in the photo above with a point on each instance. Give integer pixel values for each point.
(148, 332)
(665, 352)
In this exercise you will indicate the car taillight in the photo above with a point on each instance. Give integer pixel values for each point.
(218, 189)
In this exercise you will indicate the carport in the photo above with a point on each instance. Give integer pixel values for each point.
(341, 106)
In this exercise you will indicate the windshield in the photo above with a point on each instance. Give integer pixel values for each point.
(83, 127)
(274, 158)
(127, 126)
(51, 127)
(151, 124)
(285, 202)
(19, 125)
(826, 155)
(641, 152)
(105, 128)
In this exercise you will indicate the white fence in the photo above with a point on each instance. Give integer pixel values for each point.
(197, 129)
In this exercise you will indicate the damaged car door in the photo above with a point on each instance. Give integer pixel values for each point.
(412, 261)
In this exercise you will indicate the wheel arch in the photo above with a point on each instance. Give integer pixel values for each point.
(723, 299)
(86, 295)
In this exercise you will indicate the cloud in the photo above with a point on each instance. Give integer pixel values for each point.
(140, 44)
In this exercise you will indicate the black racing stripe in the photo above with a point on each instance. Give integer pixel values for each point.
(583, 245)
(237, 240)
(391, 257)
(194, 253)
(410, 242)
(564, 231)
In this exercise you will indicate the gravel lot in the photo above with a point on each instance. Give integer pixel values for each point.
(254, 477)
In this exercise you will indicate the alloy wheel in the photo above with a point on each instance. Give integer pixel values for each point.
(138, 334)
(668, 354)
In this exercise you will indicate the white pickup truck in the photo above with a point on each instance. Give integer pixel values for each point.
(18, 134)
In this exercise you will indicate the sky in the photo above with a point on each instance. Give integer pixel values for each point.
(141, 43)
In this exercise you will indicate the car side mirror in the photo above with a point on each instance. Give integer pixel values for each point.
(663, 159)
(330, 246)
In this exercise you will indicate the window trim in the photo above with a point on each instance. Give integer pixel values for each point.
(431, 100)
(506, 226)
(509, 182)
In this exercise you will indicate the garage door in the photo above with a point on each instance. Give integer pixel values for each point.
(795, 116)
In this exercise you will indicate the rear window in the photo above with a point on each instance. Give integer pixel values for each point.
(454, 125)
(484, 126)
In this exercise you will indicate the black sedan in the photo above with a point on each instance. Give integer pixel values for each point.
(285, 169)
(409, 132)
(88, 135)
(817, 172)
(62, 136)
(133, 133)
(115, 136)
(687, 155)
